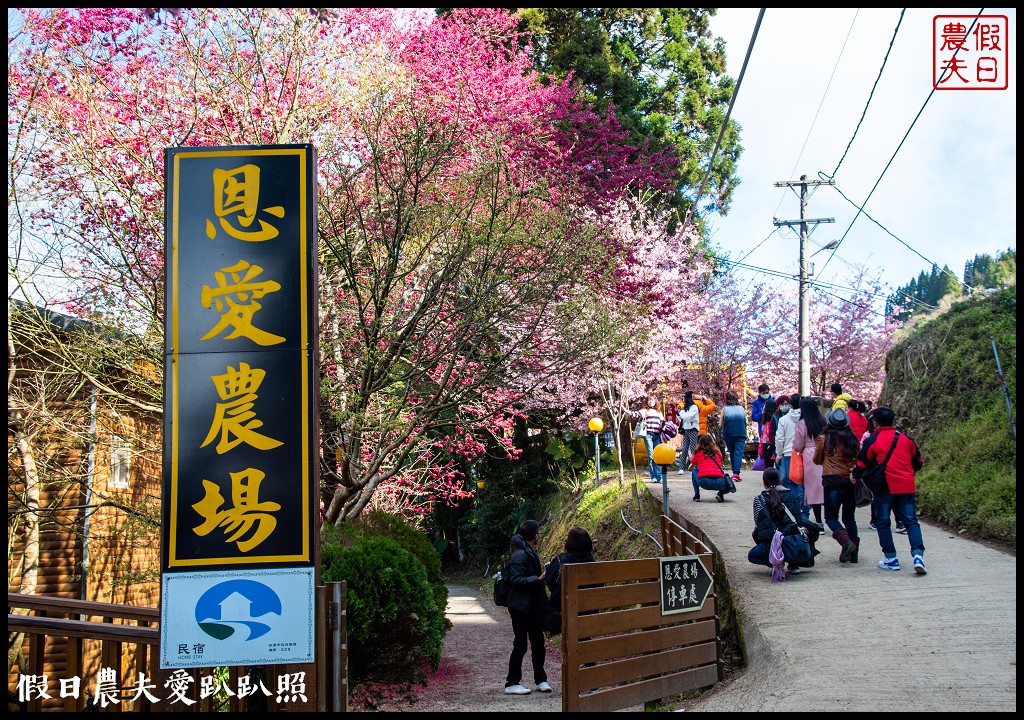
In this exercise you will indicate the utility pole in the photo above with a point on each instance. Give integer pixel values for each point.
(803, 222)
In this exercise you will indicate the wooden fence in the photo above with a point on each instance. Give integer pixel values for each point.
(618, 649)
(127, 640)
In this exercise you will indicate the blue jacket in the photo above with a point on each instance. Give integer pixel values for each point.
(756, 410)
(734, 422)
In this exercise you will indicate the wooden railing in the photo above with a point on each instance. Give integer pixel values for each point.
(618, 648)
(128, 638)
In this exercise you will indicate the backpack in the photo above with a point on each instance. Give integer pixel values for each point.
(503, 583)
(668, 430)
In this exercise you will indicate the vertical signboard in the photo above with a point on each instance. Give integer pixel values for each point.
(240, 469)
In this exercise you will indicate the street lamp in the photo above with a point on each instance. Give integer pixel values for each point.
(664, 455)
(830, 246)
(596, 425)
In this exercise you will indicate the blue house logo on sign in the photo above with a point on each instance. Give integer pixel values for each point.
(238, 606)
(685, 584)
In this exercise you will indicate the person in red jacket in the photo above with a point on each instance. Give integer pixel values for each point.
(899, 495)
(857, 412)
(708, 469)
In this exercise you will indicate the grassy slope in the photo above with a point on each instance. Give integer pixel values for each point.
(943, 384)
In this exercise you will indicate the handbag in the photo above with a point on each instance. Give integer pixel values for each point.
(797, 548)
(640, 431)
(758, 464)
(730, 486)
(862, 495)
(874, 477)
(796, 467)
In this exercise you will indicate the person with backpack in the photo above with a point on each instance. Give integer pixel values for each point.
(902, 459)
(579, 548)
(777, 508)
(527, 604)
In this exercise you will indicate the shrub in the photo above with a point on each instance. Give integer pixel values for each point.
(393, 527)
(394, 625)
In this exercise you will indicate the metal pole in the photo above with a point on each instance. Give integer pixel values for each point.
(597, 458)
(1006, 390)
(805, 348)
(664, 489)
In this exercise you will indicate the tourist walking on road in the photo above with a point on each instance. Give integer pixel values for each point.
(778, 509)
(689, 426)
(837, 454)
(840, 399)
(790, 409)
(757, 408)
(767, 437)
(708, 471)
(527, 604)
(653, 422)
(734, 432)
(857, 411)
(899, 493)
(806, 436)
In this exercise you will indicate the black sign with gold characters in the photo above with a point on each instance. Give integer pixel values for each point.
(240, 471)
(685, 584)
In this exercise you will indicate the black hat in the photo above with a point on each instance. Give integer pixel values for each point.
(838, 419)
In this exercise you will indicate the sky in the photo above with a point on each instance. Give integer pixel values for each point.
(950, 191)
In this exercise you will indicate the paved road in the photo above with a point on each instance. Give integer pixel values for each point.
(855, 637)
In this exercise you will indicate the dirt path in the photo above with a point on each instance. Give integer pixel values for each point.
(471, 676)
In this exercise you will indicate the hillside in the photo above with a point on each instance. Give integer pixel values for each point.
(943, 384)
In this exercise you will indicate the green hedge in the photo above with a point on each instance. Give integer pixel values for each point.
(396, 626)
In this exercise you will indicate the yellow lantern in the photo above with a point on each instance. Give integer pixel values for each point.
(664, 454)
(596, 425)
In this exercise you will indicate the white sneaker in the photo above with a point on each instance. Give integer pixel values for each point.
(518, 690)
(543, 687)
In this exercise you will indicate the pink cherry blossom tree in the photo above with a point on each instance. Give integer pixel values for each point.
(460, 197)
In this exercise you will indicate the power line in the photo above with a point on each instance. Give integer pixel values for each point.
(860, 208)
(725, 124)
(834, 286)
(820, 104)
(752, 250)
(904, 243)
(871, 95)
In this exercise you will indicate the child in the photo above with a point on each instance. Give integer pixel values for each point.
(708, 472)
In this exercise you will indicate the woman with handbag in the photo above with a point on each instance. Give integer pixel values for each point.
(777, 509)
(707, 464)
(652, 421)
(837, 454)
(689, 426)
(806, 436)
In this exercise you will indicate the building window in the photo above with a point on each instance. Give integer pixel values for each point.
(120, 462)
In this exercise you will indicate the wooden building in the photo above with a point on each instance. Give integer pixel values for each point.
(84, 470)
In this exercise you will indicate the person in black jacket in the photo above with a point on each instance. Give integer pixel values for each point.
(775, 509)
(527, 604)
(579, 548)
